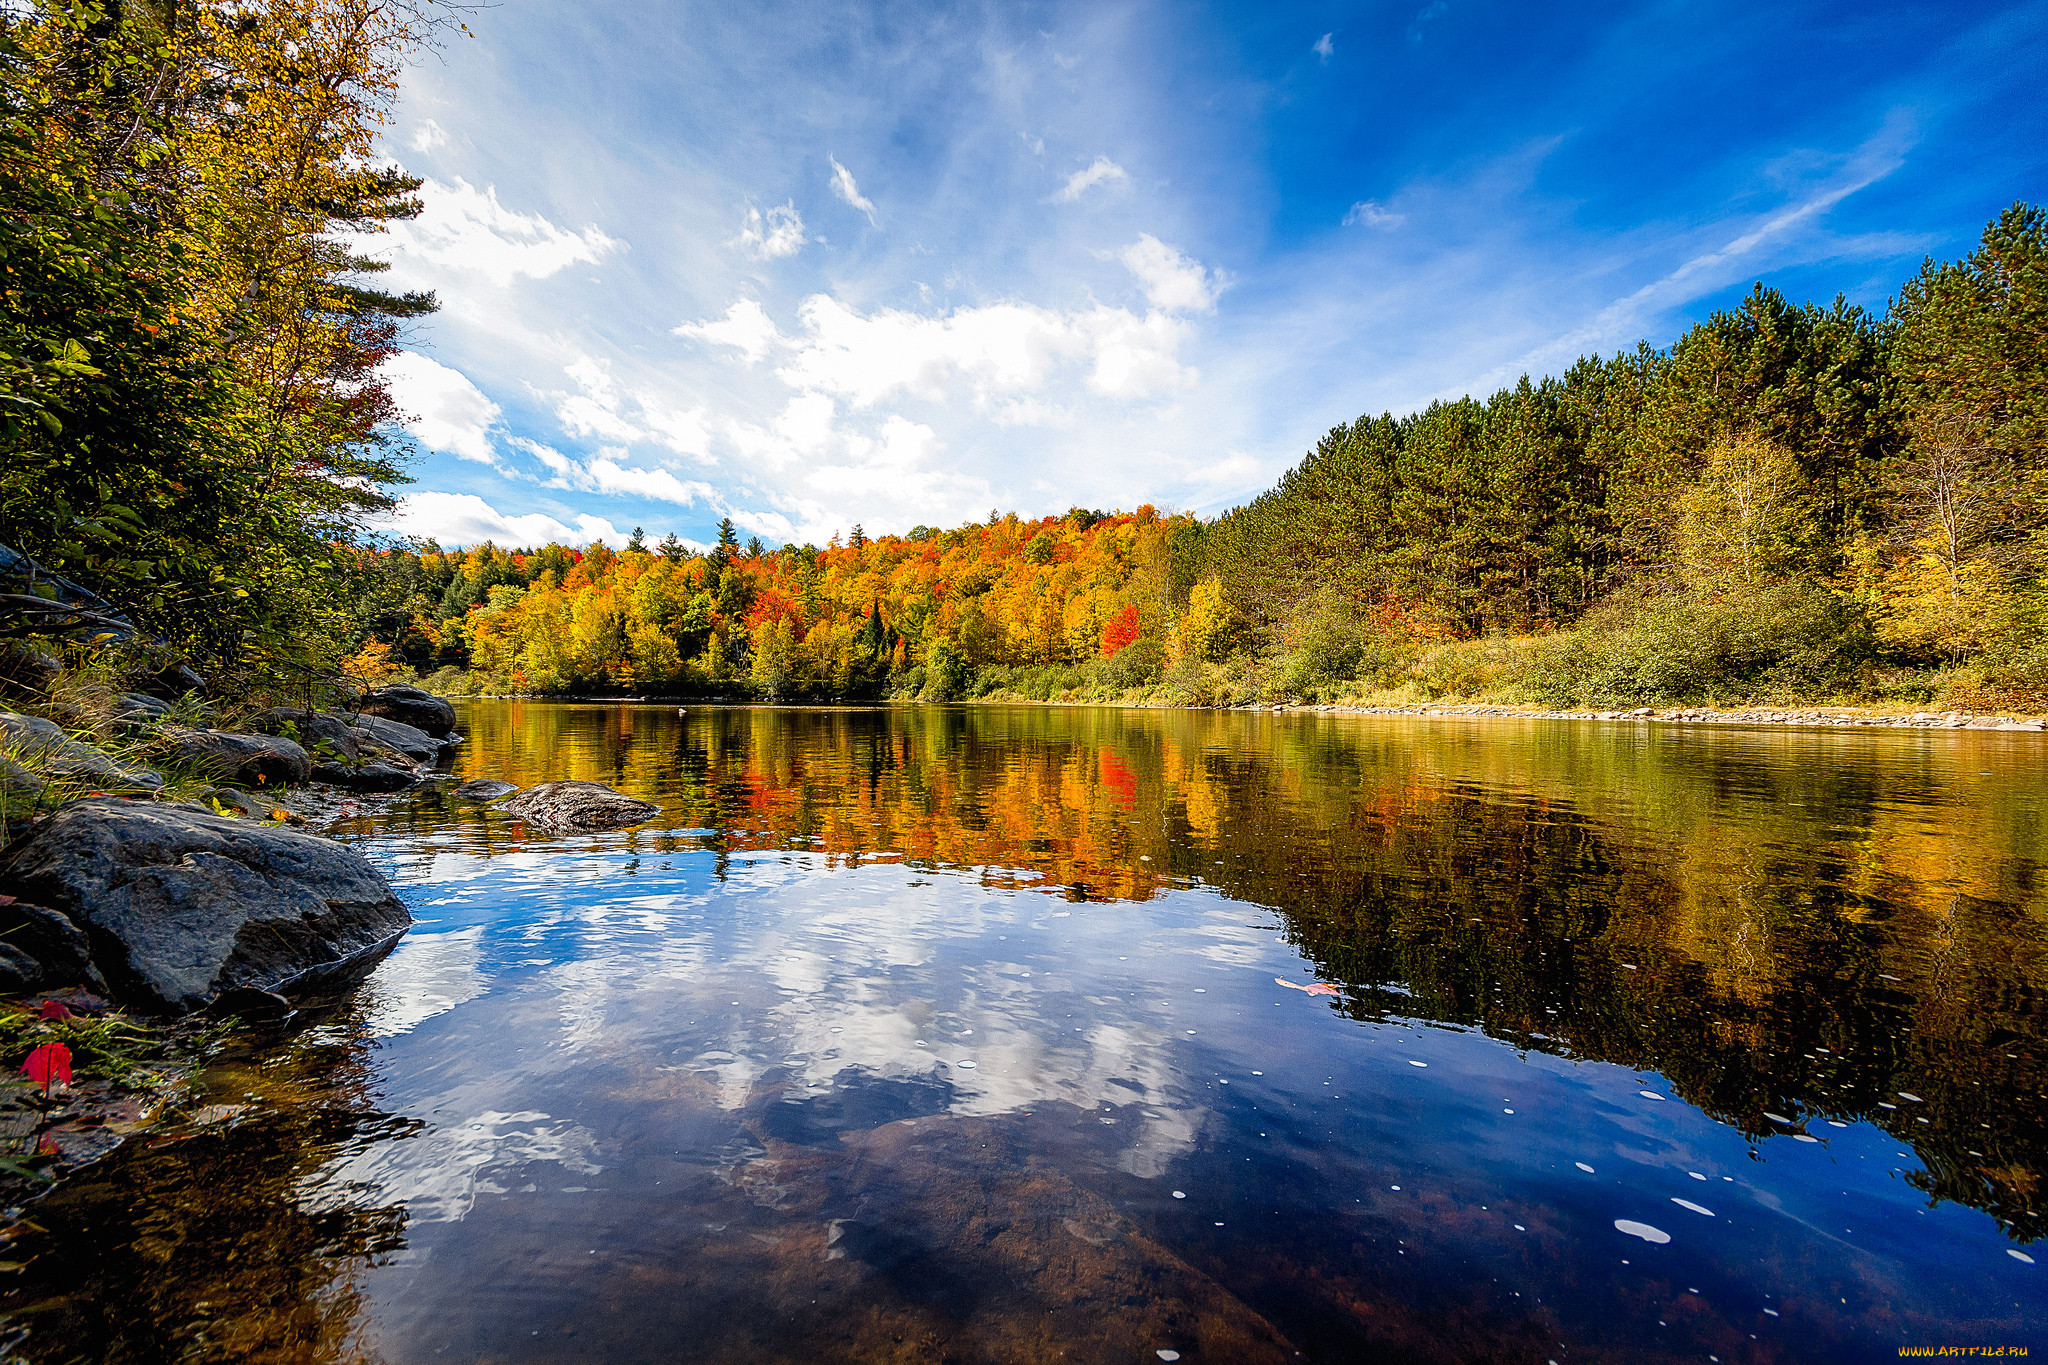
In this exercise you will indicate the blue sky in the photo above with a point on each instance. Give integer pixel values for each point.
(895, 264)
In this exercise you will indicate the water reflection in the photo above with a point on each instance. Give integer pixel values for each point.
(956, 1034)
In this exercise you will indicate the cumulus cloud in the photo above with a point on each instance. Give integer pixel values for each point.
(995, 351)
(466, 519)
(844, 186)
(601, 410)
(461, 227)
(1325, 47)
(1101, 171)
(428, 136)
(1369, 213)
(745, 327)
(770, 236)
(1171, 280)
(443, 409)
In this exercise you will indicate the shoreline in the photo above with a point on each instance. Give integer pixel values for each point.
(1790, 717)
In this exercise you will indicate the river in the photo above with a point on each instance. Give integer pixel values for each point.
(1005, 1034)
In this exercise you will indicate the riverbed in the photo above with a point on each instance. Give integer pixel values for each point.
(1022, 1033)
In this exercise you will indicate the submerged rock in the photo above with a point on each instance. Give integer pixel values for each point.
(411, 706)
(247, 760)
(578, 805)
(485, 789)
(57, 756)
(180, 904)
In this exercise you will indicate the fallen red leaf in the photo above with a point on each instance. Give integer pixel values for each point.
(1312, 988)
(50, 1062)
(56, 1009)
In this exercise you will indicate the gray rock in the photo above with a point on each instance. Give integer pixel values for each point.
(18, 784)
(578, 805)
(316, 730)
(174, 681)
(181, 904)
(26, 670)
(377, 776)
(246, 760)
(57, 756)
(414, 743)
(18, 971)
(411, 706)
(137, 710)
(230, 801)
(485, 789)
(58, 951)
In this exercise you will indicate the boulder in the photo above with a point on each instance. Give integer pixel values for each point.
(18, 784)
(380, 776)
(230, 801)
(246, 760)
(397, 736)
(180, 904)
(26, 670)
(411, 706)
(138, 710)
(174, 681)
(485, 789)
(323, 733)
(350, 754)
(48, 951)
(59, 757)
(578, 805)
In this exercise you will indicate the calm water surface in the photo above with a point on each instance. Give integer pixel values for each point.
(1023, 1034)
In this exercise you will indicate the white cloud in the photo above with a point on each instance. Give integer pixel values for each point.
(607, 475)
(766, 238)
(464, 228)
(1101, 171)
(442, 408)
(1324, 47)
(745, 327)
(1172, 280)
(845, 188)
(428, 136)
(998, 351)
(466, 519)
(1369, 213)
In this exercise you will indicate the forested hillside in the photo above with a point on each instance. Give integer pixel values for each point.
(1790, 501)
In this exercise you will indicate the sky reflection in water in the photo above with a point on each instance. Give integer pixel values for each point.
(957, 1034)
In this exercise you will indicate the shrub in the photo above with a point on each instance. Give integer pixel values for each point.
(1783, 641)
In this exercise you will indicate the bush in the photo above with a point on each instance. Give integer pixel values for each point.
(1783, 642)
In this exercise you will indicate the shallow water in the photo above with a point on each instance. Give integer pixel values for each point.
(979, 1034)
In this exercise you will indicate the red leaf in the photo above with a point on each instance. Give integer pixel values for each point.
(51, 1061)
(56, 1009)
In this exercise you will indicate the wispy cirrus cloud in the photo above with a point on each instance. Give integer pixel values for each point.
(1100, 171)
(844, 186)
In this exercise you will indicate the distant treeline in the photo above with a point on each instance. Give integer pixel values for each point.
(1790, 501)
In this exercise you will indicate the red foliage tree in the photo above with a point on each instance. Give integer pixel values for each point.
(1121, 630)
